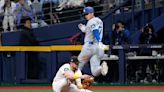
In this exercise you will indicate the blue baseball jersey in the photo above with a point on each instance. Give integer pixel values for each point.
(93, 24)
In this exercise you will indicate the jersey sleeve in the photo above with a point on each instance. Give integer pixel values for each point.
(94, 26)
(65, 68)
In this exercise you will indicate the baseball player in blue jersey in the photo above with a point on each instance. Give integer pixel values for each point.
(93, 48)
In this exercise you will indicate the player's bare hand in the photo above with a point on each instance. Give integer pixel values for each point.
(82, 27)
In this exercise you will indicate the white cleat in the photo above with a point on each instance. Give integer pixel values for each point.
(104, 69)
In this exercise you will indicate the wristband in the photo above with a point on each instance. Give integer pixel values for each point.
(76, 76)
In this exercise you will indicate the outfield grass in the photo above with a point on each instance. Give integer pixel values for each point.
(93, 91)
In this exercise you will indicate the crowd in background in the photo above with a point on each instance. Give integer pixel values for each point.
(42, 12)
(45, 12)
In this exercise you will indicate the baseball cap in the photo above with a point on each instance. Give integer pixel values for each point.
(74, 60)
(88, 10)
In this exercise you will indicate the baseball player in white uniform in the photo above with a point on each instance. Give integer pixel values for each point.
(68, 78)
(93, 48)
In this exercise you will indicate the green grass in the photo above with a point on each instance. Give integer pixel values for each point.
(93, 91)
(26, 91)
(127, 91)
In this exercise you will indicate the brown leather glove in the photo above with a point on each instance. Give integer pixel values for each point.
(87, 82)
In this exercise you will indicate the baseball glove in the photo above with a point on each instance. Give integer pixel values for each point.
(87, 82)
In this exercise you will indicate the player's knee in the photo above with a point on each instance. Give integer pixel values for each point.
(96, 71)
(100, 54)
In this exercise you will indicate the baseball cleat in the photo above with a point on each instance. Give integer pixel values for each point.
(104, 69)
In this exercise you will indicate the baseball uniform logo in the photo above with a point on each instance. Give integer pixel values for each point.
(66, 69)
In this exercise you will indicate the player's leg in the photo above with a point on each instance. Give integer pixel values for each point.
(95, 61)
(66, 88)
(99, 52)
(95, 65)
(57, 86)
(104, 66)
(73, 88)
(84, 56)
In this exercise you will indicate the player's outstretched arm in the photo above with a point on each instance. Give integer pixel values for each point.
(71, 75)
